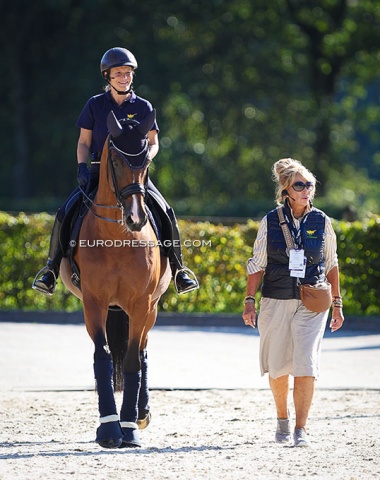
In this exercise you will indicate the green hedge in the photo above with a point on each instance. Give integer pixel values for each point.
(217, 254)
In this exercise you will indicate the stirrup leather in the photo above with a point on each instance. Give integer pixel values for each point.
(43, 270)
(191, 275)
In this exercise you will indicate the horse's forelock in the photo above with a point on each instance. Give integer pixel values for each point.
(130, 141)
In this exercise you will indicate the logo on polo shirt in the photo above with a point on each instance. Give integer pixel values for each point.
(130, 116)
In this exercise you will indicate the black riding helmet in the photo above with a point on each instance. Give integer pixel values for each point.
(116, 57)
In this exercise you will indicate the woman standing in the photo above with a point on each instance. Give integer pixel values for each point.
(291, 334)
(117, 67)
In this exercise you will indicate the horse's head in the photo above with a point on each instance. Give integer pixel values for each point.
(128, 162)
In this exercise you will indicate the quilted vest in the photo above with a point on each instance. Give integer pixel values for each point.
(277, 282)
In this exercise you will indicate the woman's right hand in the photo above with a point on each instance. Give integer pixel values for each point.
(83, 174)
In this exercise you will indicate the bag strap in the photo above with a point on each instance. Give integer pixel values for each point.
(285, 229)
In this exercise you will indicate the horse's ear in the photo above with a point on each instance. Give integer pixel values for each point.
(113, 125)
(146, 125)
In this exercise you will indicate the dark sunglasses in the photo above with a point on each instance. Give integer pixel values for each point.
(299, 186)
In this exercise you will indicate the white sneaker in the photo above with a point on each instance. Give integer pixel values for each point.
(283, 431)
(300, 438)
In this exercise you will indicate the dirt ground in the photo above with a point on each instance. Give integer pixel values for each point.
(194, 434)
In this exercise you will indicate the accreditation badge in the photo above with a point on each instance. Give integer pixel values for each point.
(297, 263)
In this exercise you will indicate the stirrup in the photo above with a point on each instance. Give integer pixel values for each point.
(191, 275)
(43, 270)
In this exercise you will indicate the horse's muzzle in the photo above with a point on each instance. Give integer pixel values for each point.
(133, 225)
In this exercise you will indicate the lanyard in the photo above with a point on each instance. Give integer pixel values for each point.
(295, 232)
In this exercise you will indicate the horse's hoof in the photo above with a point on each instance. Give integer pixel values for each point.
(145, 420)
(109, 435)
(131, 438)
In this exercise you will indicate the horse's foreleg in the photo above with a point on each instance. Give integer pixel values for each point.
(136, 392)
(129, 409)
(131, 391)
(109, 434)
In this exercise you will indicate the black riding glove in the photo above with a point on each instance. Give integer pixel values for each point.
(83, 174)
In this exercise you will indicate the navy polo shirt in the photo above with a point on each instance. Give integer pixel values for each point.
(94, 116)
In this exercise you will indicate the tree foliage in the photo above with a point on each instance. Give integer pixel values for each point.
(237, 85)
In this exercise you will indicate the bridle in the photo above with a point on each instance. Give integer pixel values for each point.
(134, 187)
(127, 191)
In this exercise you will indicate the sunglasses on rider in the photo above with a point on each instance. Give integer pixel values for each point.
(299, 186)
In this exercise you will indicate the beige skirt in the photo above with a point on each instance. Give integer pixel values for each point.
(290, 338)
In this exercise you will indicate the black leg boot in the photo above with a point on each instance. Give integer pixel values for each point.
(46, 279)
(184, 279)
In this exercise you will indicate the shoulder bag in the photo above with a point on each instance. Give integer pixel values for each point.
(318, 297)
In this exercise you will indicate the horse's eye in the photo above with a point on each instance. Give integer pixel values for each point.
(115, 161)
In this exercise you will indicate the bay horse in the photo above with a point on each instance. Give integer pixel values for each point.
(120, 265)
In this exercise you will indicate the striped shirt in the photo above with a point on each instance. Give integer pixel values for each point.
(260, 259)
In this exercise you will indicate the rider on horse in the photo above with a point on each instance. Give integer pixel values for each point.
(117, 68)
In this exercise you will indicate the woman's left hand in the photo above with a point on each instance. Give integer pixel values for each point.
(337, 319)
(249, 314)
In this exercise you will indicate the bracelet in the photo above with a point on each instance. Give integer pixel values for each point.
(249, 299)
(337, 303)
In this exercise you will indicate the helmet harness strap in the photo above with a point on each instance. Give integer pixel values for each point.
(119, 92)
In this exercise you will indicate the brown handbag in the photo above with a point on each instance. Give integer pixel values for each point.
(318, 297)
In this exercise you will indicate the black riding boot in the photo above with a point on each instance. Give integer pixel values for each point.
(184, 279)
(46, 279)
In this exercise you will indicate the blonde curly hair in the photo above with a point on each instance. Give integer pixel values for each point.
(284, 172)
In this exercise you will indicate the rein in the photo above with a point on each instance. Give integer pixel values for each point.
(99, 205)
